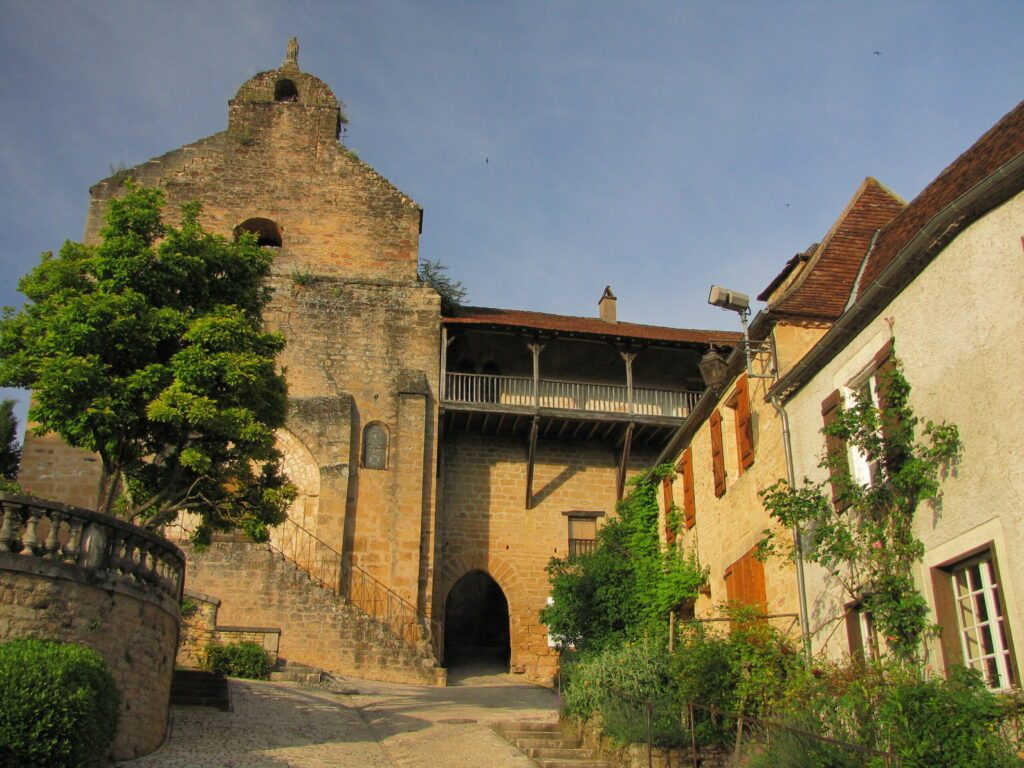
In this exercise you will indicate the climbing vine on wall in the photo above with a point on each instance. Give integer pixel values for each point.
(863, 533)
(630, 581)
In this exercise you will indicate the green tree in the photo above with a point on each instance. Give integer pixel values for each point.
(453, 292)
(866, 539)
(10, 450)
(148, 350)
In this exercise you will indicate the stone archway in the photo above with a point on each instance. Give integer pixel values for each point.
(476, 622)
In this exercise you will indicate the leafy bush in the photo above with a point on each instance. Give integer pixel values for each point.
(59, 705)
(243, 659)
(952, 723)
(614, 684)
(748, 670)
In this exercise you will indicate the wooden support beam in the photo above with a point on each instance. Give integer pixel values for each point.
(501, 423)
(565, 424)
(576, 431)
(592, 431)
(487, 420)
(620, 485)
(531, 455)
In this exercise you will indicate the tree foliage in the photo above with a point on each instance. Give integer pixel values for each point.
(866, 537)
(10, 449)
(435, 274)
(148, 350)
(628, 583)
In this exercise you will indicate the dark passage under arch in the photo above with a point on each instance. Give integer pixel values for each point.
(476, 622)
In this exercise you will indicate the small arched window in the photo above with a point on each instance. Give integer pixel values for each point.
(266, 231)
(375, 446)
(285, 90)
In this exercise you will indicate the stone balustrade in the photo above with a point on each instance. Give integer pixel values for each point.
(108, 547)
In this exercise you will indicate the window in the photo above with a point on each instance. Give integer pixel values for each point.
(717, 453)
(285, 90)
(860, 631)
(740, 403)
(972, 595)
(582, 532)
(689, 505)
(267, 232)
(847, 463)
(744, 581)
(375, 446)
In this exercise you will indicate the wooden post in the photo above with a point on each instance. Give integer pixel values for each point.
(628, 358)
(530, 461)
(535, 348)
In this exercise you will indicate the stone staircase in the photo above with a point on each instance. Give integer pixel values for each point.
(548, 745)
(196, 688)
(258, 586)
(296, 673)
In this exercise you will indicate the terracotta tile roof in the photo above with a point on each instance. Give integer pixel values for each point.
(1001, 143)
(584, 326)
(822, 290)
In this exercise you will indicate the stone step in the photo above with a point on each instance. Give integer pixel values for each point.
(585, 763)
(578, 753)
(552, 743)
(297, 673)
(197, 688)
(528, 725)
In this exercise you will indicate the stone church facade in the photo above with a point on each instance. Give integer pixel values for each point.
(443, 457)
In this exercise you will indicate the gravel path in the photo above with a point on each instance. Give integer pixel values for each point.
(355, 723)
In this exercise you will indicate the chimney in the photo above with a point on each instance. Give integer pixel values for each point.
(606, 306)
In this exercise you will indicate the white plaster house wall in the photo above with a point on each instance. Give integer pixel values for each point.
(959, 330)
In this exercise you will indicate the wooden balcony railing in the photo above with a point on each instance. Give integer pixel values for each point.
(566, 395)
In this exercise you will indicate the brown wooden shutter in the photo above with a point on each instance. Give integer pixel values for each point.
(885, 364)
(666, 488)
(744, 581)
(835, 447)
(717, 453)
(744, 428)
(689, 504)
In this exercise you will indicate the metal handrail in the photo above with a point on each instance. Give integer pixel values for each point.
(354, 584)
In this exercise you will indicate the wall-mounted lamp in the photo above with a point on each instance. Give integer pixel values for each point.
(712, 368)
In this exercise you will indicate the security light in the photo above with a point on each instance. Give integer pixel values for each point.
(727, 299)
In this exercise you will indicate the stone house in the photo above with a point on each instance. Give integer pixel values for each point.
(441, 460)
(731, 446)
(941, 288)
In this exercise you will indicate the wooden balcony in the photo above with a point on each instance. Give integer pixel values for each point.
(516, 393)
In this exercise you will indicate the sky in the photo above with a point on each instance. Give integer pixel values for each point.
(556, 147)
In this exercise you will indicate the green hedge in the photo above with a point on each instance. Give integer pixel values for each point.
(58, 705)
(238, 660)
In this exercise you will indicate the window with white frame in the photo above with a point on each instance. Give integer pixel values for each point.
(981, 625)
(863, 470)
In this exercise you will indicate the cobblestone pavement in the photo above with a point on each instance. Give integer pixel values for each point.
(355, 723)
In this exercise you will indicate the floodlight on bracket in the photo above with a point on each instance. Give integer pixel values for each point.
(737, 302)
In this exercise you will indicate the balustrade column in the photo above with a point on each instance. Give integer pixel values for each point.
(628, 358)
(535, 348)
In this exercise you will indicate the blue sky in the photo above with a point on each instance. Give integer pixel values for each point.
(556, 147)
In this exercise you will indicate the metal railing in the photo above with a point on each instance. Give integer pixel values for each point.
(566, 395)
(108, 547)
(359, 588)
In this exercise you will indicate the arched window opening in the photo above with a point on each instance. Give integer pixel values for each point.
(267, 232)
(285, 90)
(375, 446)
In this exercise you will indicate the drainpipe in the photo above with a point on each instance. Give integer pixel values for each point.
(801, 584)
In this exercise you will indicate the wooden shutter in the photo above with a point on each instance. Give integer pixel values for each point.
(835, 448)
(666, 488)
(885, 364)
(744, 428)
(744, 581)
(717, 453)
(689, 505)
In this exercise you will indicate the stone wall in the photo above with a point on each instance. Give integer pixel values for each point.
(258, 588)
(484, 524)
(199, 629)
(136, 634)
